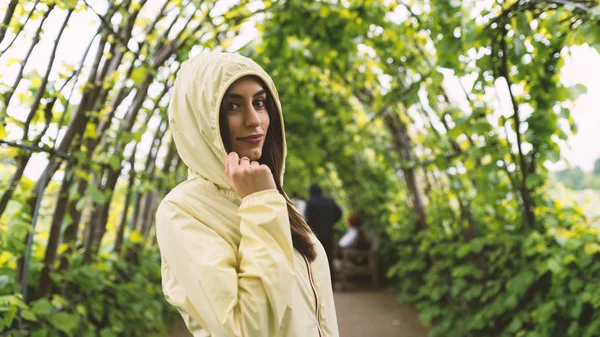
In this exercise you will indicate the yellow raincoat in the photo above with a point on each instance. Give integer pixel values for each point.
(228, 264)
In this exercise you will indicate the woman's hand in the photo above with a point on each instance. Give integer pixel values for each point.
(248, 177)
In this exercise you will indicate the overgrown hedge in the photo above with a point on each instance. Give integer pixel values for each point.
(113, 296)
(541, 282)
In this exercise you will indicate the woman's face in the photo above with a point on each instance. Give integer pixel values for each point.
(247, 117)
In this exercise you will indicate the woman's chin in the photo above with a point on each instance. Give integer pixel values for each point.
(253, 154)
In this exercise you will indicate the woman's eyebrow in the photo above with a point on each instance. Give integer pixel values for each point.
(238, 96)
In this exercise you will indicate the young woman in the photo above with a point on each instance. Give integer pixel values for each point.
(237, 258)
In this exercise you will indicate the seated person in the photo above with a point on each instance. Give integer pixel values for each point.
(355, 237)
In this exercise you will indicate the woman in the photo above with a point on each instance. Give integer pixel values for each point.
(237, 258)
(354, 237)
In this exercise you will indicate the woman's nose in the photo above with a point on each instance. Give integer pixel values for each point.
(252, 118)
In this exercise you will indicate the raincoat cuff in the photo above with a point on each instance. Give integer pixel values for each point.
(260, 197)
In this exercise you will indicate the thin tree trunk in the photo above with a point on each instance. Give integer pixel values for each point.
(403, 148)
(10, 10)
(149, 215)
(33, 110)
(123, 221)
(470, 232)
(526, 194)
(45, 283)
(70, 233)
(97, 224)
(137, 197)
(149, 169)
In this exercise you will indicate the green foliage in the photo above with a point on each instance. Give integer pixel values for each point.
(116, 298)
(479, 266)
(505, 283)
(577, 179)
(596, 170)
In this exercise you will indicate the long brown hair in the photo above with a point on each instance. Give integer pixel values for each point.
(273, 157)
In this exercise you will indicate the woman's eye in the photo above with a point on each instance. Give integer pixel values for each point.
(259, 103)
(232, 106)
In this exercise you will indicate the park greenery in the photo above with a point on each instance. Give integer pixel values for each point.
(577, 179)
(433, 119)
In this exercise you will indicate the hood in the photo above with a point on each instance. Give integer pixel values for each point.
(193, 111)
(315, 190)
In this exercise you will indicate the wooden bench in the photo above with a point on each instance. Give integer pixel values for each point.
(346, 267)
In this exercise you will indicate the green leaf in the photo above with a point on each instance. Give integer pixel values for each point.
(70, 3)
(4, 281)
(19, 228)
(591, 248)
(12, 61)
(43, 332)
(477, 245)
(107, 333)
(515, 325)
(28, 315)
(80, 204)
(96, 194)
(90, 131)
(64, 322)
(519, 46)
(126, 137)
(138, 75)
(115, 162)
(577, 90)
(554, 266)
(575, 285)
(595, 12)
(534, 180)
(42, 307)
(137, 136)
(523, 25)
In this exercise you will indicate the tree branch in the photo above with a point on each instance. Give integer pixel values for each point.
(33, 148)
(20, 29)
(8, 95)
(10, 10)
(42, 88)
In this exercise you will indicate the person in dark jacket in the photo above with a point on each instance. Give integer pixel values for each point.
(321, 215)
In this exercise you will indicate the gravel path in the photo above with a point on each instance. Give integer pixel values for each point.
(375, 314)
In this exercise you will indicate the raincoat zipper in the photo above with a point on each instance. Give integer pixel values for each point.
(314, 289)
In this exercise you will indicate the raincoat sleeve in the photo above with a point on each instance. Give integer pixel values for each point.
(244, 293)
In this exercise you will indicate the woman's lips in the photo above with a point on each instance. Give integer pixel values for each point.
(256, 139)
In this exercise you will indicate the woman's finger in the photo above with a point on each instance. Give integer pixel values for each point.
(232, 161)
(255, 164)
(244, 162)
